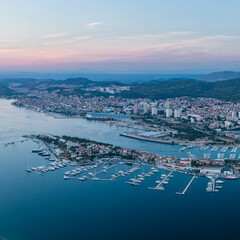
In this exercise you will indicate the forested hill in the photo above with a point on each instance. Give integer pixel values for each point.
(226, 90)
(5, 91)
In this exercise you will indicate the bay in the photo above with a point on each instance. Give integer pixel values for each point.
(34, 207)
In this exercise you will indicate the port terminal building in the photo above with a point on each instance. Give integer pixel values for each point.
(108, 116)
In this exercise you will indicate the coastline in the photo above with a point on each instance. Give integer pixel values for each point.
(169, 142)
(120, 156)
(177, 142)
(129, 135)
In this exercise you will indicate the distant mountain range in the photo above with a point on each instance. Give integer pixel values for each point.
(219, 76)
(123, 78)
(221, 89)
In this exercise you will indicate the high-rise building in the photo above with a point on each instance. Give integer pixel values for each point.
(234, 114)
(177, 113)
(169, 112)
(145, 108)
(167, 105)
(154, 110)
(135, 109)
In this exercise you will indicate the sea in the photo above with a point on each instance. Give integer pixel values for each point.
(34, 207)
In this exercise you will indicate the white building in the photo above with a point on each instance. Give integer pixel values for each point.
(177, 113)
(234, 114)
(167, 104)
(135, 109)
(228, 171)
(169, 112)
(145, 108)
(154, 111)
(228, 124)
(210, 171)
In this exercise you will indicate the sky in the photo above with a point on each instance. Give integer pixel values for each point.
(120, 36)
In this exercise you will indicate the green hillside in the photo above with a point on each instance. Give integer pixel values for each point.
(5, 91)
(227, 89)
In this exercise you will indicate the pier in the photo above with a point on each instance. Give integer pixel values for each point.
(103, 170)
(87, 178)
(101, 179)
(186, 188)
(12, 143)
(137, 181)
(159, 186)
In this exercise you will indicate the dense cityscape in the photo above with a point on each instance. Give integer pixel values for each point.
(180, 120)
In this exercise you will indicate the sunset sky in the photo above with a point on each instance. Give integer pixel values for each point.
(119, 35)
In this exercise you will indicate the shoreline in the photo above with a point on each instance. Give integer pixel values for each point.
(172, 142)
(169, 142)
(147, 139)
(172, 164)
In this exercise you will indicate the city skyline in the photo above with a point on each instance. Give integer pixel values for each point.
(119, 36)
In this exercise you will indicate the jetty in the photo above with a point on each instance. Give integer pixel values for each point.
(14, 142)
(188, 185)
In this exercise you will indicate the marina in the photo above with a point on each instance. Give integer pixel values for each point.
(214, 149)
(204, 148)
(93, 171)
(224, 149)
(234, 150)
(214, 185)
(136, 181)
(185, 148)
(103, 166)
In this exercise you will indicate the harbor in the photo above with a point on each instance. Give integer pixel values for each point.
(216, 152)
(111, 169)
(31, 202)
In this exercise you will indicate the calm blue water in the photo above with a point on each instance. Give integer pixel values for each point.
(34, 207)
